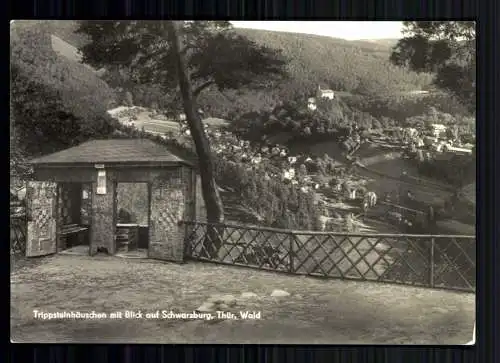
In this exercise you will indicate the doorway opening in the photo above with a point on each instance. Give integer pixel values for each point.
(74, 207)
(132, 227)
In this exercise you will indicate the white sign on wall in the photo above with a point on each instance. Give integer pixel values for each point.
(101, 182)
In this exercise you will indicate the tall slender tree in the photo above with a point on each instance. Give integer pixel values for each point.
(213, 202)
(184, 58)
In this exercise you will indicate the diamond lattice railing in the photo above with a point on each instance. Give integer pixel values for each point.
(243, 246)
(455, 262)
(422, 260)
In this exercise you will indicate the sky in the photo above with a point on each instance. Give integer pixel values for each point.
(350, 30)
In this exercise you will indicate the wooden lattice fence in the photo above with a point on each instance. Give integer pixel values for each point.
(438, 261)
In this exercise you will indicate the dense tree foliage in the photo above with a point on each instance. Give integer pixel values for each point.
(54, 103)
(356, 67)
(215, 55)
(45, 121)
(446, 49)
(330, 120)
(31, 50)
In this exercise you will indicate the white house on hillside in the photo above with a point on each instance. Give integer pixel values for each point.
(325, 93)
(438, 129)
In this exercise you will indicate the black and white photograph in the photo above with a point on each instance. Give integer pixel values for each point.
(260, 182)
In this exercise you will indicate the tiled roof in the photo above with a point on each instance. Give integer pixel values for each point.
(133, 151)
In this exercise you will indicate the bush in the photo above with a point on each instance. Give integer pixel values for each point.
(281, 205)
(55, 103)
(32, 53)
(329, 120)
(49, 123)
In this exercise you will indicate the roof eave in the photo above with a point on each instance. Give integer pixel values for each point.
(114, 164)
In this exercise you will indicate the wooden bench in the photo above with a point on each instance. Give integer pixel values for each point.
(72, 230)
(126, 237)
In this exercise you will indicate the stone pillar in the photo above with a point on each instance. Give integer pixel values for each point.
(62, 214)
(168, 194)
(103, 218)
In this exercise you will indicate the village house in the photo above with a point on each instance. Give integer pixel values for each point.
(438, 129)
(320, 94)
(325, 93)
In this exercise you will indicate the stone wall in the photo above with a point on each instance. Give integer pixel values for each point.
(103, 218)
(41, 238)
(171, 202)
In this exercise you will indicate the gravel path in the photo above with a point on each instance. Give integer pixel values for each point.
(317, 311)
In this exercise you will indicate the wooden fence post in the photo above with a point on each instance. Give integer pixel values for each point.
(290, 253)
(431, 262)
(187, 238)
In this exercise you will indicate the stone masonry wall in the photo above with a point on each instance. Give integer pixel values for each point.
(169, 200)
(42, 225)
(103, 225)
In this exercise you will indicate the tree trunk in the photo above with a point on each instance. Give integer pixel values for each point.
(213, 202)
